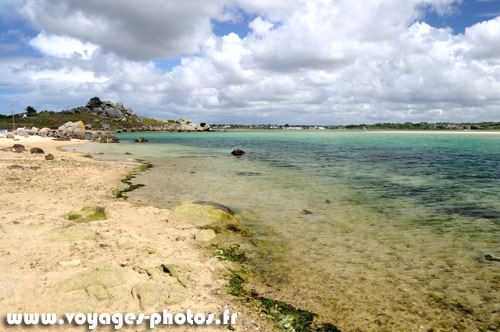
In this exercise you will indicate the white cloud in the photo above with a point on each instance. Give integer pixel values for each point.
(63, 47)
(314, 61)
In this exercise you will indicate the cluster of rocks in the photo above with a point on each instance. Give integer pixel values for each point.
(182, 125)
(61, 134)
(185, 125)
(19, 148)
(106, 109)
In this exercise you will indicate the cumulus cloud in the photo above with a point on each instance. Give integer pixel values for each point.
(315, 61)
(61, 46)
(139, 30)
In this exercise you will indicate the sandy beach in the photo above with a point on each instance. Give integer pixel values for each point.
(51, 264)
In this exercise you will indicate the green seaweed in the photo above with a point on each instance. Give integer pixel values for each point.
(285, 316)
(128, 185)
(87, 155)
(239, 229)
(491, 258)
(233, 253)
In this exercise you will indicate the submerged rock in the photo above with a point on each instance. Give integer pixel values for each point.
(306, 212)
(202, 213)
(141, 140)
(249, 174)
(215, 205)
(238, 153)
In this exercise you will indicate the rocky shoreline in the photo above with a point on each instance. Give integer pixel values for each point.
(67, 245)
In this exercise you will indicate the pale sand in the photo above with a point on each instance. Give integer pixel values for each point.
(37, 252)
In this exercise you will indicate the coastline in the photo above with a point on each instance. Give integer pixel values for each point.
(43, 250)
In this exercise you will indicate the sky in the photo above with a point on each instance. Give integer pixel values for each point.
(256, 61)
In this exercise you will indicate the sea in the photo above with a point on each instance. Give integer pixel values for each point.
(372, 231)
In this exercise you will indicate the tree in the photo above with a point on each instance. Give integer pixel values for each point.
(94, 102)
(30, 110)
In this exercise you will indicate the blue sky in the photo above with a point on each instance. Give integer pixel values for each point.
(257, 61)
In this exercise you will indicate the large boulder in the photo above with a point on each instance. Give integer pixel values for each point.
(112, 112)
(44, 132)
(33, 131)
(73, 129)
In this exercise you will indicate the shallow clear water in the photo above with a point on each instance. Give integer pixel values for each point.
(397, 228)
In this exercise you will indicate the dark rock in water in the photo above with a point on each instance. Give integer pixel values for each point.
(18, 148)
(141, 139)
(238, 153)
(15, 167)
(216, 205)
(50, 156)
(36, 150)
(327, 201)
(306, 212)
(490, 258)
(249, 173)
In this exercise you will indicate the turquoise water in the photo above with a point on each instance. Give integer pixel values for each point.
(373, 231)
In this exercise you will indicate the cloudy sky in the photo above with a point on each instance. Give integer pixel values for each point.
(256, 61)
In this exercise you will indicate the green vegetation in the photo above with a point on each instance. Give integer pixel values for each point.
(30, 110)
(94, 102)
(233, 253)
(53, 120)
(87, 155)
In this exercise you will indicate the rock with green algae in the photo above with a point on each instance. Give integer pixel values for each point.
(93, 289)
(165, 287)
(205, 235)
(101, 275)
(204, 215)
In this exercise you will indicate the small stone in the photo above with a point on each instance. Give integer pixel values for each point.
(49, 156)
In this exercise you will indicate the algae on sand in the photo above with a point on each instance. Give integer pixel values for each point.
(85, 215)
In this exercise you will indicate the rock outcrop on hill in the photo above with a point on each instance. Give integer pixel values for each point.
(106, 109)
(114, 114)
